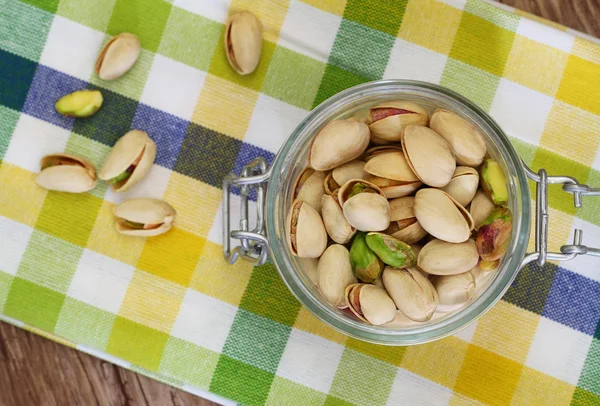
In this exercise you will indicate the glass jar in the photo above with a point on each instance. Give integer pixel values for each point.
(275, 194)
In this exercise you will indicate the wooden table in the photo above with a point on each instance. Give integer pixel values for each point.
(37, 371)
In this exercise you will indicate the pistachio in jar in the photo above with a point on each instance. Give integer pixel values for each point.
(370, 303)
(403, 223)
(455, 289)
(309, 187)
(338, 142)
(481, 207)
(306, 233)
(463, 185)
(364, 205)
(335, 274)
(412, 293)
(467, 143)
(336, 225)
(388, 119)
(391, 172)
(442, 216)
(439, 257)
(494, 234)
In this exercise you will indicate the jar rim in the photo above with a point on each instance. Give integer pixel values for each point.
(275, 215)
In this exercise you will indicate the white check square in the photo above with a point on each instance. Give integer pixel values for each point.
(412, 389)
(546, 34)
(216, 10)
(410, 61)
(13, 242)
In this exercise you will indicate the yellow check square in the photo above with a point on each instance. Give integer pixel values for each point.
(21, 199)
(270, 13)
(331, 6)
(580, 85)
(307, 322)
(152, 301)
(537, 388)
(430, 24)
(458, 399)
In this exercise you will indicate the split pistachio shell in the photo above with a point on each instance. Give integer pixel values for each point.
(134, 149)
(310, 188)
(368, 209)
(463, 185)
(309, 267)
(340, 141)
(330, 186)
(243, 42)
(335, 223)
(441, 216)
(118, 56)
(481, 207)
(439, 257)
(391, 250)
(466, 141)
(412, 293)
(366, 265)
(335, 274)
(66, 173)
(391, 165)
(388, 119)
(404, 224)
(393, 189)
(400, 320)
(374, 151)
(144, 217)
(306, 233)
(348, 171)
(370, 303)
(80, 104)
(454, 289)
(428, 155)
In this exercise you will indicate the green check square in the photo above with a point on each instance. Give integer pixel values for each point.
(5, 284)
(556, 163)
(588, 379)
(362, 391)
(475, 84)
(190, 38)
(23, 29)
(581, 397)
(482, 44)
(8, 121)
(93, 151)
(289, 393)
(525, 150)
(334, 81)
(383, 15)
(333, 401)
(33, 304)
(361, 50)
(293, 78)
(589, 209)
(137, 343)
(256, 341)
(49, 261)
(242, 382)
(267, 296)
(145, 18)
(84, 324)
(95, 14)
(493, 14)
(392, 355)
(219, 66)
(132, 83)
(48, 5)
(70, 216)
(188, 362)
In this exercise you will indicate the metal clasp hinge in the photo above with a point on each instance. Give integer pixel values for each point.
(254, 246)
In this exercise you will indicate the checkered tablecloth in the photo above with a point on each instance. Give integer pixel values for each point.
(169, 306)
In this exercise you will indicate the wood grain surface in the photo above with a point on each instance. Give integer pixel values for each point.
(37, 371)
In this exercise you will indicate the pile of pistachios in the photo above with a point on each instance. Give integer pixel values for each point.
(399, 215)
(127, 164)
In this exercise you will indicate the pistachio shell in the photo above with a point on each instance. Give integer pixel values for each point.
(370, 303)
(133, 146)
(441, 216)
(412, 293)
(348, 171)
(309, 267)
(391, 165)
(388, 119)
(306, 233)
(481, 207)
(118, 56)
(380, 141)
(346, 189)
(463, 185)
(454, 289)
(152, 212)
(335, 274)
(66, 173)
(466, 141)
(310, 188)
(428, 155)
(439, 257)
(409, 233)
(243, 42)
(330, 186)
(400, 320)
(374, 151)
(335, 223)
(367, 211)
(340, 141)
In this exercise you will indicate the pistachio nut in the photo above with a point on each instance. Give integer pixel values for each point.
(393, 189)
(481, 207)
(129, 160)
(382, 149)
(428, 155)
(309, 188)
(309, 267)
(366, 265)
(144, 217)
(335, 223)
(412, 293)
(243, 42)
(400, 320)
(439, 257)
(335, 274)
(370, 303)
(80, 104)
(404, 224)
(388, 119)
(493, 181)
(442, 216)
(466, 141)
(348, 171)
(306, 233)
(454, 289)
(463, 185)
(494, 234)
(340, 141)
(364, 205)
(118, 56)
(66, 173)
(391, 250)
(330, 186)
